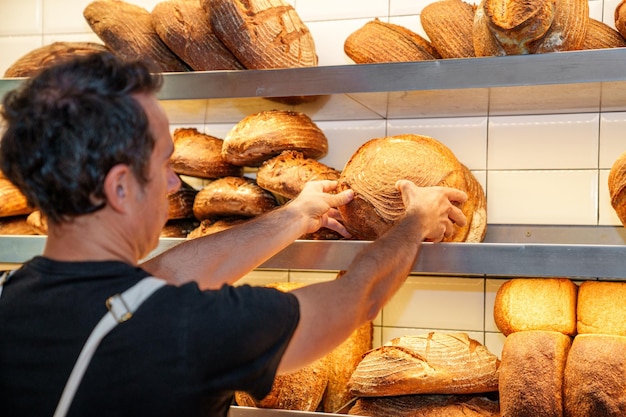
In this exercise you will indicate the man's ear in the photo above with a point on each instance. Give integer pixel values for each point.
(117, 187)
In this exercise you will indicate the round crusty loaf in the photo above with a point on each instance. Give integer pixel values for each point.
(595, 376)
(262, 34)
(510, 27)
(179, 228)
(378, 41)
(377, 165)
(531, 373)
(449, 26)
(617, 187)
(184, 27)
(261, 136)
(200, 155)
(39, 58)
(287, 173)
(600, 36)
(427, 405)
(181, 202)
(523, 304)
(620, 17)
(127, 30)
(232, 196)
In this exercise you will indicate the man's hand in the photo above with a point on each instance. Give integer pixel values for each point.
(437, 208)
(318, 206)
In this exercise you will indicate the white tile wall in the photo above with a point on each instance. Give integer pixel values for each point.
(544, 169)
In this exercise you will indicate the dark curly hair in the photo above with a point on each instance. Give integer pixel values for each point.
(69, 125)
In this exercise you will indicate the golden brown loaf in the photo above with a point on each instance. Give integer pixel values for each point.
(600, 36)
(601, 308)
(232, 196)
(127, 31)
(595, 377)
(39, 58)
(200, 155)
(620, 17)
(12, 201)
(262, 34)
(426, 405)
(38, 222)
(511, 27)
(209, 226)
(531, 374)
(617, 187)
(374, 169)
(536, 304)
(181, 202)
(185, 28)
(300, 390)
(16, 225)
(372, 44)
(261, 136)
(424, 364)
(449, 26)
(287, 173)
(179, 228)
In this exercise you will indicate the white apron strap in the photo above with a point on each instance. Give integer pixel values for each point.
(121, 308)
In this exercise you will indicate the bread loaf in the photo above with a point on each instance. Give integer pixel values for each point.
(232, 196)
(601, 308)
(209, 226)
(423, 364)
(536, 304)
(300, 390)
(185, 28)
(38, 222)
(426, 405)
(620, 17)
(600, 35)
(374, 169)
(531, 374)
(127, 30)
(261, 136)
(39, 58)
(287, 173)
(178, 228)
(181, 202)
(15, 225)
(617, 187)
(262, 34)
(12, 201)
(449, 26)
(200, 155)
(379, 41)
(511, 27)
(595, 376)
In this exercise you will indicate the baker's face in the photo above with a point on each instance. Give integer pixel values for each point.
(152, 201)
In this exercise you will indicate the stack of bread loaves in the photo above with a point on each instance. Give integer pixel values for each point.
(322, 385)
(546, 372)
(433, 374)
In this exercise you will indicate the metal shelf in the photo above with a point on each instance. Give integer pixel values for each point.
(508, 250)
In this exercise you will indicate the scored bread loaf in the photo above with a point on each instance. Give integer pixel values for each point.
(181, 202)
(423, 364)
(379, 41)
(200, 155)
(600, 35)
(617, 187)
(595, 376)
(601, 308)
(263, 135)
(536, 304)
(185, 28)
(531, 374)
(262, 34)
(511, 27)
(42, 57)
(232, 196)
(287, 173)
(449, 26)
(377, 165)
(127, 30)
(12, 201)
(301, 390)
(427, 405)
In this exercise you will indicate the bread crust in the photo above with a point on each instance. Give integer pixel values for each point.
(601, 308)
(617, 187)
(449, 26)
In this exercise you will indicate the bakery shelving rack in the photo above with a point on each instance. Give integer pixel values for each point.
(567, 82)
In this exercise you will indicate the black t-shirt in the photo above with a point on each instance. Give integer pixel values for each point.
(183, 353)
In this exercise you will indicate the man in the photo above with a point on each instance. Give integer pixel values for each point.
(88, 144)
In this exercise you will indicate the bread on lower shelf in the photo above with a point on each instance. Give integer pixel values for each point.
(601, 308)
